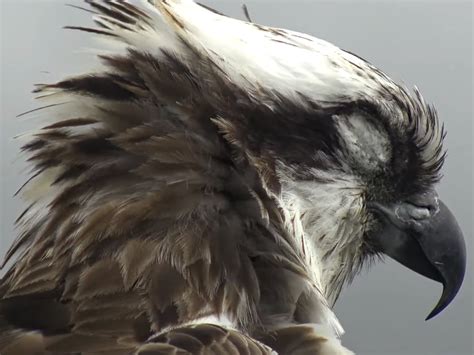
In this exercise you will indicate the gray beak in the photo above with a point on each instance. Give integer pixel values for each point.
(423, 235)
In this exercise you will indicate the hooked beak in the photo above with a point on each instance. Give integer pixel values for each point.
(423, 235)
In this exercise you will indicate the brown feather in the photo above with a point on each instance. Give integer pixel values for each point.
(203, 339)
(153, 212)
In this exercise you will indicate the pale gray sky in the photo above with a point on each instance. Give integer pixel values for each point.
(427, 43)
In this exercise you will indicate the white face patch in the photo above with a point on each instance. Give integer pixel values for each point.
(328, 218)
(367, 144)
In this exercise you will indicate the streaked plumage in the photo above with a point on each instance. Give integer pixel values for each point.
(211, 168)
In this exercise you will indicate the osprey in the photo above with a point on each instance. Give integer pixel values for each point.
(211, 187)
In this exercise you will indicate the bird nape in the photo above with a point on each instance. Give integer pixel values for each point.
(212, 187)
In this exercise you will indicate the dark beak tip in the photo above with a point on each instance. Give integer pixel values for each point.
(435, 249)
(431, 315)
(454, 268)
(437, 310)
(448, 295)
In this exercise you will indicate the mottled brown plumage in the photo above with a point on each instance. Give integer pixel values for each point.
(212, 186)
(154, 215)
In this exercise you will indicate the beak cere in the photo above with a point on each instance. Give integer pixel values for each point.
(427, 240)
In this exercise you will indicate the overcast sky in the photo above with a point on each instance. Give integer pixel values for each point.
(427, 43)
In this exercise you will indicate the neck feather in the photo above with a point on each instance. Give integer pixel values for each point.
(327, 218)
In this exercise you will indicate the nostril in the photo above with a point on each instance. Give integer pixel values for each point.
(409, 212)
(419, 213)
(423, 205)
(422, 209)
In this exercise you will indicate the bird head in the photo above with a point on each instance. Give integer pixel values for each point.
(351, 156)
(356, 178)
